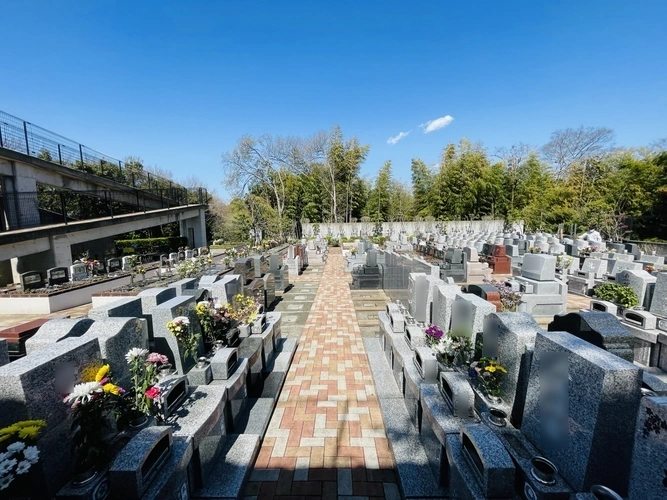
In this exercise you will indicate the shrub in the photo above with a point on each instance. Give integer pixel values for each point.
(332, 242)
(614, 292)
(150, 245)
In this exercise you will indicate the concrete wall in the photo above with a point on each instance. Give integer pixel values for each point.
(355, 229)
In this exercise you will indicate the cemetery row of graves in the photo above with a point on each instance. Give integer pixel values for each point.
(165, 393)
(481, 401)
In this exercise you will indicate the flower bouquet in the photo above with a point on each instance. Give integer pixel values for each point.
(245, 309)
(17, 456)
(179, 327)
(93, 404)
(216, 320)
(490, 374)
(143, 399)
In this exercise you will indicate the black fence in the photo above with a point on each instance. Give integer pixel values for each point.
(56, 206)
(24, 137)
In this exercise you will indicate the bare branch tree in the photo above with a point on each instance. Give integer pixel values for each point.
(570, 146)
(513, 157)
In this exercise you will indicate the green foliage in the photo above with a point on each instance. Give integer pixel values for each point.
(619, 294)
(150, 245)
(332, 242)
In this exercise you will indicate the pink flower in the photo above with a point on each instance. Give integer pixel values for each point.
(155, 357)
(153, 393)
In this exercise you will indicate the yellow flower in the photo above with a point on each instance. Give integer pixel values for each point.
(502, 369)
(29, 432)
(491, 369)
(89, 373)
(8, 431)
(113, 389)
(101, 373)
(30, 423)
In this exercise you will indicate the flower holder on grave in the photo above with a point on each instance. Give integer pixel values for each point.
(173, 391)
(274, 320)
(397, 322)
(421, 369)
(201, 419)
(437, 423)
(257, 325)
(401, 355)
(267, 346)
(251, 349)
(414, 336)
(642, 325)
(138, 463)
(237, 394)
(224, 363)
(536, 477)
(154, 464)
(480, 467)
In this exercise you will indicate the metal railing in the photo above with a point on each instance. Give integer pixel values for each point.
(58, 206)
(27, 138)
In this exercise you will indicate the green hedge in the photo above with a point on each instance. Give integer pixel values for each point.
(150, 245)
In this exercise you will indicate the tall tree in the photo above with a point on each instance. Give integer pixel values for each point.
(573, 145)
(422, 183)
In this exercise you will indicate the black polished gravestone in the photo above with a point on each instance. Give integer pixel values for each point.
(32, 280)
(99, 268)
(57, 276)
(181, 255)
(114, 265)
(602, 329)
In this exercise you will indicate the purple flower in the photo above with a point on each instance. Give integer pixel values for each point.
(435, 332)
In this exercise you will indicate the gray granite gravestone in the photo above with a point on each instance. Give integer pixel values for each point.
(442, 305)
(56, 330)
(602, 394)
(182, 286)
(127, 307)
(31, 388)
(639, 281)
(601, 329)
(514, 335)
(150, 299)
(116, 337)
(165, 342)
(648, 478)
(468, 313)
(659, 302)
(57, 276)
(539, 267)
(4, 352)
(227, 288)
(418, 293)
(269, 289)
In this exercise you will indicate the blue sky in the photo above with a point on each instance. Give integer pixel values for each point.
(177, 83)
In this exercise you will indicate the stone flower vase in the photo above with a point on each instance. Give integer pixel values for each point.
(244, 330)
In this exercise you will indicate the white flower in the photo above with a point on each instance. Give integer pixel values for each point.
(182, 320)
(18, 446)
(23, 467)
(31, 454)
(5, 481)
(84, 392)
(5, 456)
(135, 353)
(7, 465)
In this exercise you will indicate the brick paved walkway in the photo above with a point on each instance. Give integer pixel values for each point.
(326, 438)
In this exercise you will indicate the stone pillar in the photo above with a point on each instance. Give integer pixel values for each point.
(196, 237)
(20, 207)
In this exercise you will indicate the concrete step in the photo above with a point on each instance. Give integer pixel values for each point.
(256, 415)
(231, 474)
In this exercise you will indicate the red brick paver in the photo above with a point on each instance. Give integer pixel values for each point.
(326, 436)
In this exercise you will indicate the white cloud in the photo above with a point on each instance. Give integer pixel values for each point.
(395, 139)
(437, 124)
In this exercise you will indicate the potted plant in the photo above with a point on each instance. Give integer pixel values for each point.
(490, 374)
(187, 340)
(17, 456)
(93, 406)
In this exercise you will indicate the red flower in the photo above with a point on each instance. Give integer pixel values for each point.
(153, 393)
